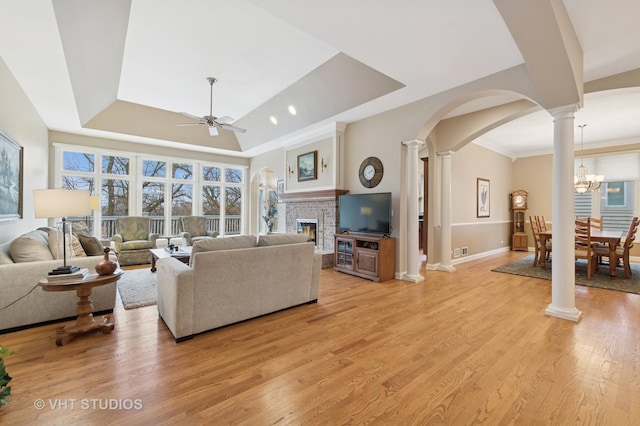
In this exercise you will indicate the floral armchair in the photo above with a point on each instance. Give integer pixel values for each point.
(194, 228)
(133, 240)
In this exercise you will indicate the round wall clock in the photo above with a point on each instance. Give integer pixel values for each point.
(371, 172)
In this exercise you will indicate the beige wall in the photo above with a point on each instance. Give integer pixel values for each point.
(535, 175)
(324, 149)
(480, 234)
(19, 119)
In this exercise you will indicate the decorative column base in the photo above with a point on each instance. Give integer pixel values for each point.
(445, 268)
(412, 277)
(567, 314)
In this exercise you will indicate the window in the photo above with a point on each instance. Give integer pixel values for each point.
(616, 199)
(614, 194)
(617, 203)
(160, 188)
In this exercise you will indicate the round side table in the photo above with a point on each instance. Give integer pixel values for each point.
(85, 322)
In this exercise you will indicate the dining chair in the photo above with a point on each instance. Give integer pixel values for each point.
(536, 239)
(622, 252)
(535, 229)
(583, 247)
(597, 223)
(542, 223)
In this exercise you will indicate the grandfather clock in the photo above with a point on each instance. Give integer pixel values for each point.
(519, 239)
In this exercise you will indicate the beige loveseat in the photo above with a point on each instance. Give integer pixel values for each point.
(28, 259)
(236, 278)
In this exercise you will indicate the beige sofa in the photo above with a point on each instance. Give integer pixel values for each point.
(234, 279)
(28, 259)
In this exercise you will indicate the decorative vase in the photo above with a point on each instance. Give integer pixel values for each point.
(107, 266)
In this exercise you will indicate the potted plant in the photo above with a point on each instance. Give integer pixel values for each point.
(271, 211)
(5, 390)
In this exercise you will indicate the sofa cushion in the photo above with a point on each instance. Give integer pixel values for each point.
(225, 243)
(30, 247)
(136, 245)
(91, 245)
(279, 239)
(5, 255)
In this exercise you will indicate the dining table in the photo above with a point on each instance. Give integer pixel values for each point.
(610, 238)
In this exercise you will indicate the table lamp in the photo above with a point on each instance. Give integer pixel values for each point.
(63, 203)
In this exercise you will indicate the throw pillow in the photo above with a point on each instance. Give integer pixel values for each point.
(80, 228)
(55, 245)
(91, 245)
(30, 247)
(279, 239)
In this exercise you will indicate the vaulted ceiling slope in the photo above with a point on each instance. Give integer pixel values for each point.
(126, 68)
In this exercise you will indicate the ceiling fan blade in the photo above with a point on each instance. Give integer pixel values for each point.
(213, 123)
(225, 120)
(191, 116)
(232, 128)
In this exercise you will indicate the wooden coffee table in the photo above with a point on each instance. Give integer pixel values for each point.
(183, 255)
(85, 322)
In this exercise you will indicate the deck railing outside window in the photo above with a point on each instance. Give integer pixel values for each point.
(232, 225)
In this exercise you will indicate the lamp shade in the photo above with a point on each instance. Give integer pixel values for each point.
(95, 202)
(49, 203)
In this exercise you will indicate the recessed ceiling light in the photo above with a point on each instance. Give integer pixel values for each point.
(292, 110)
(274, 120)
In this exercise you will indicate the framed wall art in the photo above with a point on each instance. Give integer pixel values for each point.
(11, 188)
(308, 166)
(483, 200)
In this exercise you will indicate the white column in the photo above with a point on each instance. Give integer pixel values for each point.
(445, 234)
(563, 281)
(413, 272)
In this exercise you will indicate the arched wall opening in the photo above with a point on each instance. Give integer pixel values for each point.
(447, 132)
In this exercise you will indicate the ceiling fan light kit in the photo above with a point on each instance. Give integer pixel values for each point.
(212, 122)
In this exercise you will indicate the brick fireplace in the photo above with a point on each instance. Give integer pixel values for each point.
(318, 207)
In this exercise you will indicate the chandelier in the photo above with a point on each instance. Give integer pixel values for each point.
(582, 181)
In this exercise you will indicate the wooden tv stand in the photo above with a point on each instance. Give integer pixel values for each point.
(369, 257)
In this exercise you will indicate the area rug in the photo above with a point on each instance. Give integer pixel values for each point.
(524, 266)
(137, 288)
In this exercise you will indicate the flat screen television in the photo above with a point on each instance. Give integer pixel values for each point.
(365, 213)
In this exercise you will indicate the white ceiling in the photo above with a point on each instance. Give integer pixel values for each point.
(73, 58)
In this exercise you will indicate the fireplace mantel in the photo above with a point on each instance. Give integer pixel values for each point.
(323, 195)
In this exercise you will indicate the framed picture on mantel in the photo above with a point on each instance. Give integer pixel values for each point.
(483, 197)
(308, 166)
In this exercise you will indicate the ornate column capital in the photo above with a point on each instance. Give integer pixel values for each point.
(413, 143)
(567, 111)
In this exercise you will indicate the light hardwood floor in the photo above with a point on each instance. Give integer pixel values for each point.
(467, 347)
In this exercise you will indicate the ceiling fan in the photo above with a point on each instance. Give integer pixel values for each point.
(213, 123)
